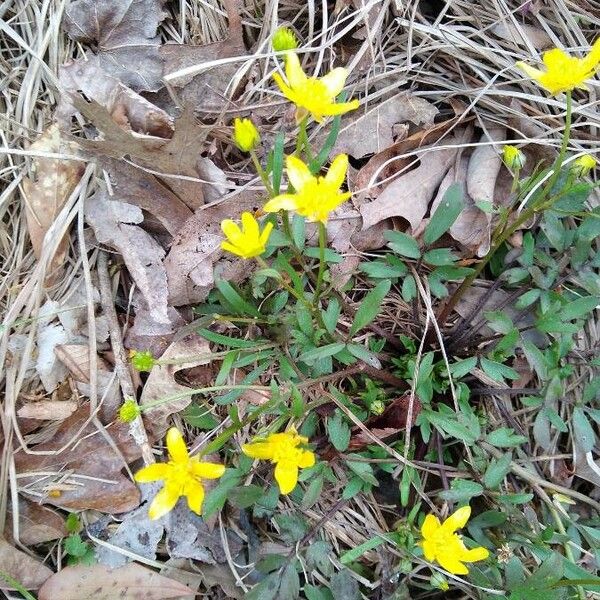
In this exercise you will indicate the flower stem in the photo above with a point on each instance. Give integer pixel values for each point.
(261, 172)
(322, 244)
(300, 297)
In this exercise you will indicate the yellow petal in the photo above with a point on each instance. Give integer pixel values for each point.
(334, 81)
(261, 450)
(337, 171)
(286, 475)
(231, 229)
(451, 563)
(430, 525)
(207, 470)
(293, 71)
(250, 225)
(231, 248)
(298, 173)
(281, 202)
(285, 89)
(457, 520)
(264, 236)
(530, 71)
(429, 549)
(340, 108)
(153, 472)
(555, 58)
(475, 554)
(176, 446)
(194, 492)
(307, 459)
(164, 501)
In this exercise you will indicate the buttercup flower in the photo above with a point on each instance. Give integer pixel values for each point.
(563, 72)
(583, 165)
(248, 241)
(315, 196)
(245, 134)
(311, 94)
(286, 452)
(182, 476)
(441, 543)
(513, 157)
(284, 39)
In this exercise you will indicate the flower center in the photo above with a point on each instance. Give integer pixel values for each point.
(286, 451)
(314, 94)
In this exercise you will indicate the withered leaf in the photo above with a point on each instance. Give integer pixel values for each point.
(30, 573)
(89, 469)
(130, 582)
(37, 524)
(114, 223)
(47, 190)
(124, 34)
(53, 410)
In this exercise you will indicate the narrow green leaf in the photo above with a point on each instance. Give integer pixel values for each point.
(579, 307)
(238, 303)
(339, 431)
(225, 340)
(403, 244)
(445, 215)
(278, 161)
(320, 353)
(583, 431)
(369, 307)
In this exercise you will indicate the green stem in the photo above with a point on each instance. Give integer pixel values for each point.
(322, 244)
(285, 284)
(302, 140)
(261, 172)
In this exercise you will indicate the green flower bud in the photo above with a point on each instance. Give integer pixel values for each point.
(284, 39)
(513, 158)
(142, 361)
(129, 411)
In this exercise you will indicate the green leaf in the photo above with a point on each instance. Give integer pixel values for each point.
(515, 498)
(249, 379)
(344, 587)
(352, 488)
(313, 492)
(528, 298)
(463, 367)
(321, 158)
(293, 527)
(238, 303)
(331, 256)
(72, 523)
(462, 490)
(331, 315)
(298, 231)
(499, 321)
(496, 471)
(75, 546)
(505, 437)
(312, 592)
(226, 366)
(364, 354)
(370, 305)
(445, 215)
(583, 431)
(215, 499)
(355, 553)
(409, 288)
(381, 270)
(338, 431)
(363, 470)
(439, 257)
(403, 244)
(579, 308)
(278, 145)
(322, 352)
(199, 416)
(317, 557)
(225, 340)
(245, 496)
(497, 371)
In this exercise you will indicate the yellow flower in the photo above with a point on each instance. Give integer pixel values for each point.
(563, 72)
(284, 39)
(245, 134)
(315, 197)
(285, 451)
(583, 165)
(311, 94)
(513, 157)
(248, 241)
(182, 476)
(441, 543)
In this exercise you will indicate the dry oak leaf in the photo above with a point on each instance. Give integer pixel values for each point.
(167, 158)
(124, 36)
(409, 195)
(47, 190)
(30, 573)
(89, 468)
(130, 582)
(48, 410)
(115, 224)
(161, 383)
(37, 524)
(363, 133)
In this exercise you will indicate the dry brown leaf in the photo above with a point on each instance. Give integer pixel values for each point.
(127, 108)
(522, 34)
(192, 351)
(363, 133)
(195, 258)
(172, 157)
(30, 573)
(114, 223)
(130, 582)
(47, 190)
(409, 195)
(89, 469)
(53, 410)
(124, 35)
(37, 524)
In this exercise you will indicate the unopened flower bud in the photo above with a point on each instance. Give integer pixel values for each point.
(377, 407)
(284, 39)
(583, 165)
(513, 157)
(129, 411)
(142, 361)
(245, 135)
(437, 580)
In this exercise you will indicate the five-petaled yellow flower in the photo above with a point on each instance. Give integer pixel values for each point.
(563, 72)
(315, 196)
(248, 241)
(441, 543)
(245, 134)
(182, 476)
(286, 451)
(311, 94)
